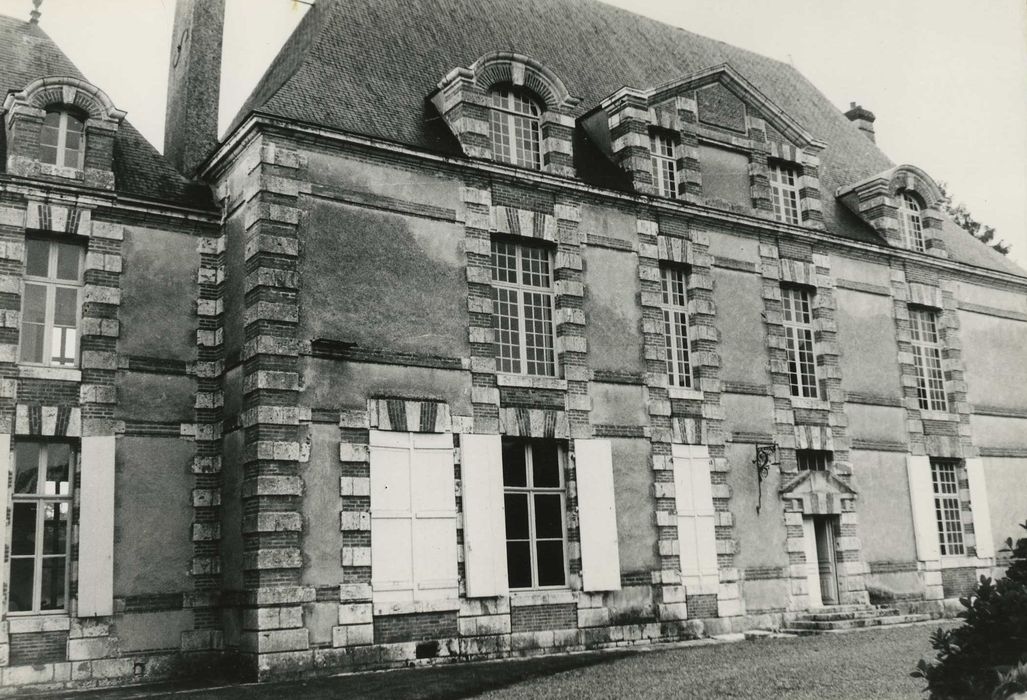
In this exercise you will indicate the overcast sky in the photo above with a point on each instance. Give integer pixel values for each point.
(947, 79)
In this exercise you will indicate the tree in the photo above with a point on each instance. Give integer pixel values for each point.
(965, 220)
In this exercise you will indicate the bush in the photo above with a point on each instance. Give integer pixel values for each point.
(972, 659)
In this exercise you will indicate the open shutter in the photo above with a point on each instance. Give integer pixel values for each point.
(96, 528)
(481, 475)
(921, 498)
(979, 507)
(697, 538)
(413, 517)
(597, 515)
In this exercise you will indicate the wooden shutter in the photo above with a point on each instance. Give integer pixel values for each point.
(980, 508)
(697, 538)
(597, 515)
(96, 528)
(481, 474)
(413, 517)
(921, 498)
(5, 481)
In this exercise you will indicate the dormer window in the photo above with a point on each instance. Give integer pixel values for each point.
(910, 222)
(784, 191)
(62, 139)
(516, 129)
(664, 164)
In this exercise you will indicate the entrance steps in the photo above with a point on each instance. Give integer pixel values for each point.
(835, 618)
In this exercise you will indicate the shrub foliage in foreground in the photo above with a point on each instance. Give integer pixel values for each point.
(972, 659)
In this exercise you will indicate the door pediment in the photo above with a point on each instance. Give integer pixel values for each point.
(817, 493)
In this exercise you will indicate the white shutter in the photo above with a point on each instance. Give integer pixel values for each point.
(5, 480)
(697, 538)
(921, 498)
(481, 474)
(96, 528)
(979, 507)
(597, 515)
(413, 517)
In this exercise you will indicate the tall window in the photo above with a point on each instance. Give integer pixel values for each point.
(675, 325)
(516, 133)
(798, 323)
(784, 192)
(664, 165)
(813, 460)
(534, 497)
(930, 380)
(522, 313)
(946, 506)
(40, 545)
(50, 302)
(62, 139)
(910, 223)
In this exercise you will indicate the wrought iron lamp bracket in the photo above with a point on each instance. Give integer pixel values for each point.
(766, 457)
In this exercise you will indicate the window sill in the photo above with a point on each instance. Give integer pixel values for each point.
(67, 374)
(810, 403)
(957, 561)
(23, 623)
(60, 171)
(938, 415)
(559, 596)
(412, 608)
(683, 392)
(530, 381)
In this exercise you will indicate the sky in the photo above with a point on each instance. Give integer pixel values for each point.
(947, 79)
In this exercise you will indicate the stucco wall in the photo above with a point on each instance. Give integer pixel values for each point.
(997, 431)
(331, 384)
(152, 631)
(878, 423)
(158, 283)
(749, 414)
(725, 176)
(761, 537)
(231, 512)
(632, 487)
(383, 281)
(743, 346)
(155, 397)
(843, 268)
(614, 317)
(322, 539)
(1006, 480)
(995, 359)
(617, 404)
(723, 245)
(153, 515)
(866, 337)
(885, 513)
(607, 222)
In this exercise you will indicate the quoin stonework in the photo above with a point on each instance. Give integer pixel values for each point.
(469, 339)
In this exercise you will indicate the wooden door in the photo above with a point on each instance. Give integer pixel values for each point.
(812, 564)
(826, 560)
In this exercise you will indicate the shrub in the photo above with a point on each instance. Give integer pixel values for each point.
(972, 659)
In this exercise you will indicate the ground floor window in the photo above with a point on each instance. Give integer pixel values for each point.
(947, 509)
(534, 494)
(41, 511)
(813, 460)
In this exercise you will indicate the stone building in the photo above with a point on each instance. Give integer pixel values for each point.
(486, 329)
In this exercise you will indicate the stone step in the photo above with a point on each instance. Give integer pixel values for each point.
(848, 607)
(851, 615)
(833, 625)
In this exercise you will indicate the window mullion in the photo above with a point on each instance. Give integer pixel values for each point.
(522, 315)
(529, 480)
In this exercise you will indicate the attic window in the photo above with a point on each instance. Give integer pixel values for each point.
(784, 186)
(664, 164)
(62, 139)
(516, 131)
(910, 223)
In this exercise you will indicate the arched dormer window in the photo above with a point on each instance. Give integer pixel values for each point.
(516, 128)
(62, 139)
(910, 222)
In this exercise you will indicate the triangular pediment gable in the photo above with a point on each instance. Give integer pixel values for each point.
(817, 492)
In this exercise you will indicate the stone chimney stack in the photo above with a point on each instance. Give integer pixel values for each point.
(194, 83)
(862, 118)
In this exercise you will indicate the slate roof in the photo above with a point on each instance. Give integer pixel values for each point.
(368, 66)
(28, 53)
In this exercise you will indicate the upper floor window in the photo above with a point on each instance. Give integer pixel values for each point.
(50, 302)
(784, 190)
(910, 222)
(798, 324)
(930, 378)
(534, 493)
(947, 507)
(41, 512)
(675, 325)
(62, 139)
(813, 460)
(522, 312)
(664, 163)
(516, 130)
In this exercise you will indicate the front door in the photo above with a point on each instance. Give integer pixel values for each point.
(824, 528)
(809, 537)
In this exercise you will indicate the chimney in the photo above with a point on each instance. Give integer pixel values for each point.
(863, 119)
(194, 83)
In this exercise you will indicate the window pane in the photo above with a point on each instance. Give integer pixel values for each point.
(517, 516)
(23, 529)
(550, 563)
(26, 467)
(58, 459)
(34, 304)
(64, 345)
(21, 584)
(55, 528)
(52, 593)
(548, 516)
(65, 312)
(518, 564)
(513, 463)
(68, 256)
(545, 465)
(37, 257)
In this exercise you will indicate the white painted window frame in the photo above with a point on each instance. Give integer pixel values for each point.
(926, 341)
(663, 162)
(946, 500)
(51, 283)
(795, 330)
(674, 342)
(911, 222)
(61, 152)
(784, 187)
(519, 288)
(506, 121)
